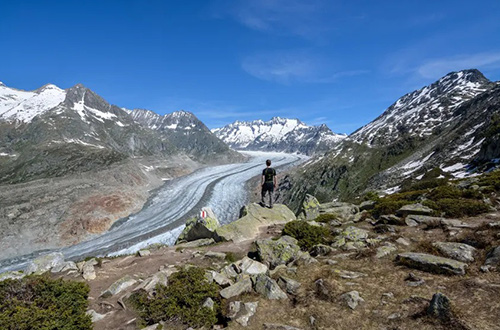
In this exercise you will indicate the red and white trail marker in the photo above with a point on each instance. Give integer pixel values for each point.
(203, 214)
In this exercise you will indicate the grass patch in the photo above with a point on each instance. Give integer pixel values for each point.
(39, 303)
(325, 217)
(181, 301)
(307, 235)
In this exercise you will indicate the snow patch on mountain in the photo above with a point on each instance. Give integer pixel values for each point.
(19, 105)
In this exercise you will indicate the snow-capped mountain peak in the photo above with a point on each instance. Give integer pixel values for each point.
(23, 106)
(277, 134)
(420, 112)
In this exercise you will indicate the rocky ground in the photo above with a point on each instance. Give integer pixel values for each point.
(405, 271)
(50, 213)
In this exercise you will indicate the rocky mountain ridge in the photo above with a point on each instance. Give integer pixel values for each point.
(278, 134)
(448, 128)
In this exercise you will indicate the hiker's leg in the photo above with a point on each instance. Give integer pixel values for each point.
(271, 193)
(262, 194)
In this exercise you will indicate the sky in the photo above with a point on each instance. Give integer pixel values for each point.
(341, 63)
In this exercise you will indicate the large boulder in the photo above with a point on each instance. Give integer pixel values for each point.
(351, 238)
(417, 209)
(432, 264)
(200, 227)
(309, 210)
(44, 263)
(239, 288)
(440, 307)
(254, 217)
(242, 312)
(251, 267)
(458, 251)
(343, 211)
(277, 252)
(117, 287)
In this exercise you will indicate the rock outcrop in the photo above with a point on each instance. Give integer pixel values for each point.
(431, 263)
(201, 226)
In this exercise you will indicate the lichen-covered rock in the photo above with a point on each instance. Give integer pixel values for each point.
(256, 216)
(457, 251)
(390, 219)
(198, 227)
(64, 267)
(268, 287)
(197, 243)
(352, 299)
(215, 255)
(417, 209)
(321, 250)
(239, 288)
(367, 205)
(144, 253)
(385, 250)
(151, 282)
(275, 326)
(117, 287)
(88, 270)
(432, 264)
(343, 211)
(277, 252)
(351, 238)
(44, 263)
(440, 307)
(309, 210)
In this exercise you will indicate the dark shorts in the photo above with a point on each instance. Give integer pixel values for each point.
(268, 186)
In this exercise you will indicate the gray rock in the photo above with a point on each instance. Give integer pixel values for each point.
(152, 327)
(251, 267)
(209, 303)
(221, 279)
(289, 285)
(197, 243)
(44, 263)
(96, 316)
(309, 209)
(242, 312)
(304, 259)
(403, 241)
(413, 280)
(440, 307)
(367, 205)
(215, 255)
(268, 288)
(390, 219)
(343, 211)
(321, 250)
(417, 209)
(352, 299)
(322, 292)
(385, 250)
(151, 282)
(144, 253)
(410, 222)
(431, 263)
(492, 259)
(64, 267)
(347, 274)
(199, 227)
(277, 252)
(240, 287)
(457, 251)
(88, 270)
(275, 326)
(118, 286)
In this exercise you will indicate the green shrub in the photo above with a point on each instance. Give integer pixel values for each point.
(371, 196)
(39, 303)
(445, 192)
(490, 180)
(388, 206)
(426, 184)
(307, 235)
(325, 217)
(180, 301)
(456, 208)
(231, 257)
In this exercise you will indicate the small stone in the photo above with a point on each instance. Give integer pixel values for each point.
(321, 250)
(144, 253)
(410, 222)
(352, 299)
(440, 307)
(394, 316)
(209, 303)
(274, 326)
(492, 260)
(88, 270)
(331, 262)
(321, 290)
(96, 316)
(215, 255)
(346, 274)
(385, 250)
(402, 241)
(413, 280)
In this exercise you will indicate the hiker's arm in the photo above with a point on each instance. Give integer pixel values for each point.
(263, 180)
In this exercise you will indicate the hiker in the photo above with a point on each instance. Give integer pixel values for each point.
(268, 183)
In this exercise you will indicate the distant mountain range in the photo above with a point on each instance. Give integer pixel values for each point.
(278, 134)
(449, 128)
(51, 132)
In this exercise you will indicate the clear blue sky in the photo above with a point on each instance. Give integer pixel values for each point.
(335, 62)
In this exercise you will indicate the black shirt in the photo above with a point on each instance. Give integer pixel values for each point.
(269, 173)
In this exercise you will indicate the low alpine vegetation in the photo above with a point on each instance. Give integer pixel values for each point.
(306, 234)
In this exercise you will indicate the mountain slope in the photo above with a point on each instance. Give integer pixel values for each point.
(188, 134)
(408, 141)
(278, 134)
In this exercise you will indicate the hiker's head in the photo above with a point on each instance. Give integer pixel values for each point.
(268, 162)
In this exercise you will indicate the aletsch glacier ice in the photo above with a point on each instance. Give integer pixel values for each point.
(162, 219)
